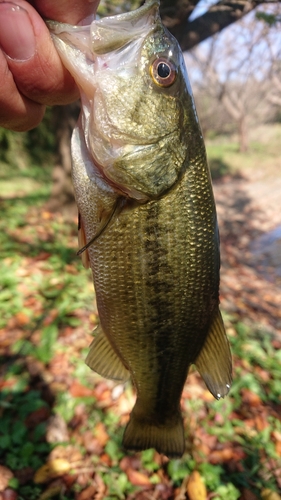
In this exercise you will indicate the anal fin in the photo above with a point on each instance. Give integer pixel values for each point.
(214, 360)
(103, 359)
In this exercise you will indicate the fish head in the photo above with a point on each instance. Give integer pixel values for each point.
(138, 112)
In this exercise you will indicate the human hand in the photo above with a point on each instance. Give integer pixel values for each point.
(31, 72)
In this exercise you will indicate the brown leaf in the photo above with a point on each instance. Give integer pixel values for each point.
(5, 476)
(277, 435)
(9, 494)
(101, 434)
(137, 478)
(278, 448)
(105, 459)
(37, 416)
(69, 480)
(24, 475)
(53, 490)
(248, 495)
(220, 456)
(91, 443)
(22, 319)
(268, 494)
(57, 431)
(101, 488)
(251, 398)
(196, 488)
(129, 462)
(261, 422)
(78, 390)
(88, 493)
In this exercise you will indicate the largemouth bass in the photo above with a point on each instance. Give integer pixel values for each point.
(148, 226)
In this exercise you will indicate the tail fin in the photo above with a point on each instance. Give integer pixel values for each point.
(167, 438)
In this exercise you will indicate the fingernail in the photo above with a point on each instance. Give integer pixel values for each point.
(17, 38)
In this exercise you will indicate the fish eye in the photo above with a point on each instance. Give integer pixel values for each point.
(163, 72)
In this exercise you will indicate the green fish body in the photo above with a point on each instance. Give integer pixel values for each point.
(147, 219)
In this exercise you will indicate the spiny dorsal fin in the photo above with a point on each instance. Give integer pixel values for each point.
(82, 242)
(214, 361)
(103, 359)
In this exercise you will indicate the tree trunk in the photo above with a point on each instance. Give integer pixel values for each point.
(243, 135)
(62, 195)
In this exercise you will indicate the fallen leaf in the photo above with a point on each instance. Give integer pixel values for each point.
(129, 462)
(251, 398)
(91, 443)
(24, 475)
(52, 491)
(278, 448)
(196, 488)
(46, 215)
(9, 494)
(88, 493)
(220, 456)
(276, 435)
(105, 459)
(137, 478)
(101, 434)
(69, 453)
(101, 488)
(248, 495)
(78, 390)
(5, 476)
(51, 470)
(22, 319)
(57, 431)
(261, 422)
(37, 416)
(268, 494)
(69, 480)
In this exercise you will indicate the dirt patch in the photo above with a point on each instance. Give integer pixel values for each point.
(249, 211)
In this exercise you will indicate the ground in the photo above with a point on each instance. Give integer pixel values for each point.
(62, 425)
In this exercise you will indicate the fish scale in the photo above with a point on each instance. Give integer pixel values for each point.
(153, 286)
(148, 226)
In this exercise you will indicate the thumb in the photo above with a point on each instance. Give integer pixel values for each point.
(31, 56)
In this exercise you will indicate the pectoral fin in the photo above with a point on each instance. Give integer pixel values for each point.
(82, 243)
(104, 360)
(105, 220)
(214, 361)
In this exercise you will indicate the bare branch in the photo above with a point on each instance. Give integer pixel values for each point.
(218, 17)
(173, 12)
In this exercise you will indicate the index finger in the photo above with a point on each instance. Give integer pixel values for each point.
(66, 11)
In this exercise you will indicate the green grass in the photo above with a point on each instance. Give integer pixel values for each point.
(263, 153)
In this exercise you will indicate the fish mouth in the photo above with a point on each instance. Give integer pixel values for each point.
(113, 32)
